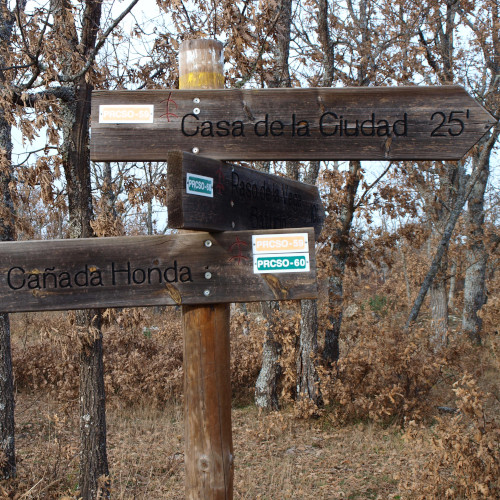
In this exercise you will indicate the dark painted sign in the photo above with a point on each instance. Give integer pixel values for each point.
(210, 195)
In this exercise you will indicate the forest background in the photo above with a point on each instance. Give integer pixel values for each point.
(402, 347)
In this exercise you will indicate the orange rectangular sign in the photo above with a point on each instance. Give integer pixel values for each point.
(126, 113)
(280, 243)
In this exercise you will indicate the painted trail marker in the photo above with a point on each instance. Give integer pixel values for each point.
(210, 195)
(286, 253)
(196, 268)
(391, 123)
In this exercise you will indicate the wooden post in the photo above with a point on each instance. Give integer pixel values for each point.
(207, 384)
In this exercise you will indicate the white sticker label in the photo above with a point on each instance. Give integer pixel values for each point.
(199, 185)
(280, 243)
(126, 113)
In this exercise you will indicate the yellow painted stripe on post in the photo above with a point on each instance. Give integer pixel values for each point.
(201, 80)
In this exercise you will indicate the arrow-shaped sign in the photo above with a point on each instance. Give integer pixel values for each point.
(210, 195)
(373, 123)
(196, 268)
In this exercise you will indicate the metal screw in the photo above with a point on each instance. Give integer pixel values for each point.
(196, 100)
(195, 150)
(206, 293)
(208, 243)
(196, 111)
(208, 275)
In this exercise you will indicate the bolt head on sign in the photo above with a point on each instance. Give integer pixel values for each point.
(372, 123)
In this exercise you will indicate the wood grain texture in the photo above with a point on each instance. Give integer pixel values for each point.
(207, 402)
(242, 199)
(142, 271)
(374, 123)
(207, 375)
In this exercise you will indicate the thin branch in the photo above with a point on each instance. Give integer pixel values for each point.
(36, 57)
(188, 18)
(30, 153)
(463, 195)
(367, 190)
(428, 54)
(66, 94)
(247, 77)
(100, 43)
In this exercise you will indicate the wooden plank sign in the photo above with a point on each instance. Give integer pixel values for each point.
(210, 195)
(372, 123)
(196, 268)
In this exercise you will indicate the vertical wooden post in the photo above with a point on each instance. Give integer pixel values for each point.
(207, 382)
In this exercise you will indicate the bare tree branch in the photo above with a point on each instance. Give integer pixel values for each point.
(102, 40)
(374, 183)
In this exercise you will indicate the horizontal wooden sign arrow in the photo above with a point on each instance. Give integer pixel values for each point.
(195, 268)
(372, 123)
(211, 195)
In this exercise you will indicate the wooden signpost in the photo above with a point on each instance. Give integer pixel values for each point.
(195, 268)
(372, 123)
(208, 434)
(204, 271)
(212, 195)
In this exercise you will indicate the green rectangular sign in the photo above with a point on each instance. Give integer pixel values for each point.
(199, 185)
(286, 263)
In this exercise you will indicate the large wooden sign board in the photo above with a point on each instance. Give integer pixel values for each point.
(197, 268)
(373, 123)
(212, 195)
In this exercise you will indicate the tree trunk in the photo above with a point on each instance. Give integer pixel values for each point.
(474, 295)
(7, 450)
(94, 473)
(7, 402)
(453, 286)
(331, 349)
(266, 387)
(405, 274)
(477, 258)
(76, 163)
(439, 313)
(307, 375)
(149, 222)
(438, 299)
(339, 256)
(107, 191)
(281, 51)
(442, 248)
(326, 44)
